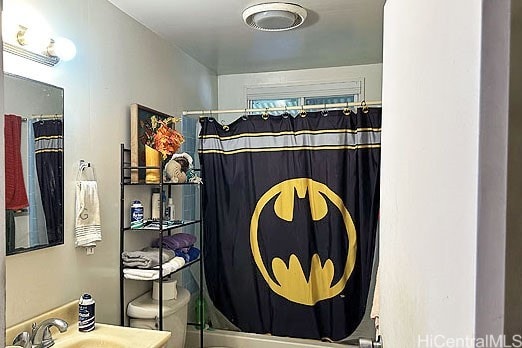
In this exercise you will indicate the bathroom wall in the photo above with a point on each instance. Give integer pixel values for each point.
(435, 271)
(119, 62)
(2, 202)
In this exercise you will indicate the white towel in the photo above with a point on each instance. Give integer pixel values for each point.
(153, 274)
(87, 227)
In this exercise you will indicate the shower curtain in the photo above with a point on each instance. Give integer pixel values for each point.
(290, 208)
(48, 149)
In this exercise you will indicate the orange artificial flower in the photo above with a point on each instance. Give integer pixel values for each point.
(158, 135)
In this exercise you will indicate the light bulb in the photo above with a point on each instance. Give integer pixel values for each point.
(62, 48)
(32, 38)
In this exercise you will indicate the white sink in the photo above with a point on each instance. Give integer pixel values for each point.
(110, 336)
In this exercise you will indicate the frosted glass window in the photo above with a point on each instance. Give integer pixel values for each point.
(272, 103)
(330, 100)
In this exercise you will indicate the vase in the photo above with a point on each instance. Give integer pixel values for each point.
(152, 159)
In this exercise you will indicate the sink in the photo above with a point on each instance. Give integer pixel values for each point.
(110, 336)
(94, 341)
(103, 336)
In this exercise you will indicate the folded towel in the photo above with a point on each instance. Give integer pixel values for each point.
(87, 228)
(176, 241)
(152, 274)
(15, 194)
(146, 258)
(189, 254)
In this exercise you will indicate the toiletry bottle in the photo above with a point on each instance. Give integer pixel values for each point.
(200, 312)
(136, 214)
(169, 210)
(86, 313)
(155, 203)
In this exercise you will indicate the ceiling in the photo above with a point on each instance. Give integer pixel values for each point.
(336, 33)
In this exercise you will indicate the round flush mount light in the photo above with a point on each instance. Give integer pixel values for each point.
(274, 16)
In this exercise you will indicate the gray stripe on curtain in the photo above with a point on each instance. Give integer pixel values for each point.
(293, 140)
(46, 143)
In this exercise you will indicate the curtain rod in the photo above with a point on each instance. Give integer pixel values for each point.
(42, 117)
(304, 107)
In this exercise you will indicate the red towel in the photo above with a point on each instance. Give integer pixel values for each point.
(15, 194)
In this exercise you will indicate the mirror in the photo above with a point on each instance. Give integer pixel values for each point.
(33, 136)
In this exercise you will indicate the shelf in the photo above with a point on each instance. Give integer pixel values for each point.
(188, 264)
(166, 228)
(126, 171)
(128, 183)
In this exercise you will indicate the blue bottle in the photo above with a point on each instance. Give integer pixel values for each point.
(86, 313)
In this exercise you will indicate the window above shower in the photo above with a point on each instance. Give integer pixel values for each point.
(281, 103)
(269, 96)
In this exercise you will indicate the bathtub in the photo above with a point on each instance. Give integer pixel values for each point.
(232, 339)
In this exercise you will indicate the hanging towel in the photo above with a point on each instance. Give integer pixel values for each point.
(15, 194)
(88, 227)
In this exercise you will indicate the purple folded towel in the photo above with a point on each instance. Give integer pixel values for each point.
(176, 241)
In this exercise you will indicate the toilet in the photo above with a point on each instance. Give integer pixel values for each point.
(143, 313)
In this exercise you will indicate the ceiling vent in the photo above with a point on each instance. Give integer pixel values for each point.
(274, 16)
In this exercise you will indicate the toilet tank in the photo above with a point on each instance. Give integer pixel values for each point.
(144, 313)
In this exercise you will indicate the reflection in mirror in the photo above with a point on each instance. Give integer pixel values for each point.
(33, 133)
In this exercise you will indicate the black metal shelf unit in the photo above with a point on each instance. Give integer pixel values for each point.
(125, 180)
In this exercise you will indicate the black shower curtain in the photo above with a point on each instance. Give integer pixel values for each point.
(48, 150)
(290, 208)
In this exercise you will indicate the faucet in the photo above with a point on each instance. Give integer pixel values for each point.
(23, 339)
(41, 335)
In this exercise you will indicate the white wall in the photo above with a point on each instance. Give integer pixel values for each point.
(119, 62)
(2, 202)
(232, 88)
(429, 198)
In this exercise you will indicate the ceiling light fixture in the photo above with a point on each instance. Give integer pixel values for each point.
(274, 16)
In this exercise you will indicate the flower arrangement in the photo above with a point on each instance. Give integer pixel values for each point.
(158, 135)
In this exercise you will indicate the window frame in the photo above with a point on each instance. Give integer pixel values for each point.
(303, 90)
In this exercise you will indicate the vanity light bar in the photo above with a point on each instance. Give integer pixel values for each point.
(35, 57)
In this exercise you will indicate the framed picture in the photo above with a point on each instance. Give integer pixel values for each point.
(140, 117)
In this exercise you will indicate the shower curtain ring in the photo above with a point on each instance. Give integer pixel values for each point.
(265, 115)
(364, 107)
(347, 110)
(285, 114)
(303, 112)
(324, 112)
